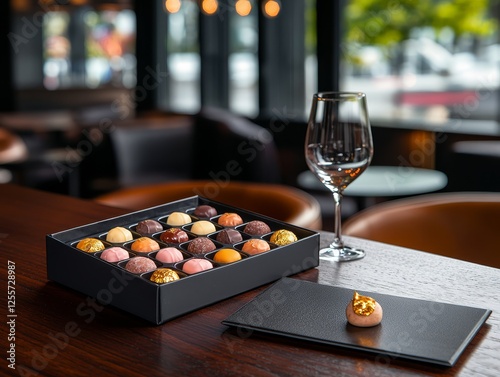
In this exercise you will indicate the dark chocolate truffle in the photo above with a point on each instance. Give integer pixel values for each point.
(147, 227)
(174, 235)
(204, 211)
(257, 228)
(229, 236)
(201, 245)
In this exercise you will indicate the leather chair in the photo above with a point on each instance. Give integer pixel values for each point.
(458, 225)
(280, 202)
(13, 151)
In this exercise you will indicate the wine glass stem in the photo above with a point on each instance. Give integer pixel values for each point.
(337, 241)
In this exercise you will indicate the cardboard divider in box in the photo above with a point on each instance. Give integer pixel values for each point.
(112, 285)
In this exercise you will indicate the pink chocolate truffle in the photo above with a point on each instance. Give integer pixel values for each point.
(114, 254)
(139, 265)
(169, 255)
(193, 266)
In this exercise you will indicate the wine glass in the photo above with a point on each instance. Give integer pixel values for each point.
(338, 149)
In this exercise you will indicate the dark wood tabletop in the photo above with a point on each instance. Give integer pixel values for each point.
(60, 332)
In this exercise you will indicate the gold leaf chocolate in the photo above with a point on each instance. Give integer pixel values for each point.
(283, 237)
(164, 275)
(90, 245)
(363, 305)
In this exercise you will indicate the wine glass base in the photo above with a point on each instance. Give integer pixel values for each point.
(341, 254)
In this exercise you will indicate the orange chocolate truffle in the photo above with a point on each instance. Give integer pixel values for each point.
(255, 246)
(230, 219)
(144, 245)
(227, 256)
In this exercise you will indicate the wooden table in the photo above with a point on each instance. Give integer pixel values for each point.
(59, 332)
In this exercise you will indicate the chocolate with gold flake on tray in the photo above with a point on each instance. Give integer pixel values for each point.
(164, 275)
(283, 237)
(90, 245)
(174, 235)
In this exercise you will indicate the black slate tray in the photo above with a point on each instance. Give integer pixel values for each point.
(418, 330)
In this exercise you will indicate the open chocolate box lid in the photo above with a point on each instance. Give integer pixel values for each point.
(111, 283)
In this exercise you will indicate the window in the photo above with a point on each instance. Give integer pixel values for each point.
(183, 58)
(110, 48)
(429, 60)
(67, 47)
(243, 63)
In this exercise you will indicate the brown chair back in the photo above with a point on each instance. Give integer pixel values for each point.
(280, 202)
(458, 225)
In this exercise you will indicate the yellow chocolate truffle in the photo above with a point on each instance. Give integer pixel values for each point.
(178, 219)
(202, 228)
(363, 311)
(119, 235)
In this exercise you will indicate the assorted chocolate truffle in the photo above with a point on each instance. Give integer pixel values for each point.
(169, 255)
(193, 266)
(230, 219)
(148, 227)
(202, 228)
(144, 245)
(205, 211)
(119, 235)
(164, 275)
(90, 245)
(283, 237)
(257, 228)
(255, 246)
(178, 219)
(174, 235)
(229, 236)
(201, 245)
(114, 254)
(227, 256)
(363, 311)
(140, 265)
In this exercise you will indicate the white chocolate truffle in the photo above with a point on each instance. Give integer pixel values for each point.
(202, 228)
(363, 311)
(178, 219)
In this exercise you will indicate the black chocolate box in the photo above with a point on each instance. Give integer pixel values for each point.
(111, 284)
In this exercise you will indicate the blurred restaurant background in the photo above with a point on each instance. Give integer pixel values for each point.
(100, 95)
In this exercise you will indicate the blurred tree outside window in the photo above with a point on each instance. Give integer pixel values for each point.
(433, 59)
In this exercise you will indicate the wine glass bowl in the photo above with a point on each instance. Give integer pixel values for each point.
(338, 149)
